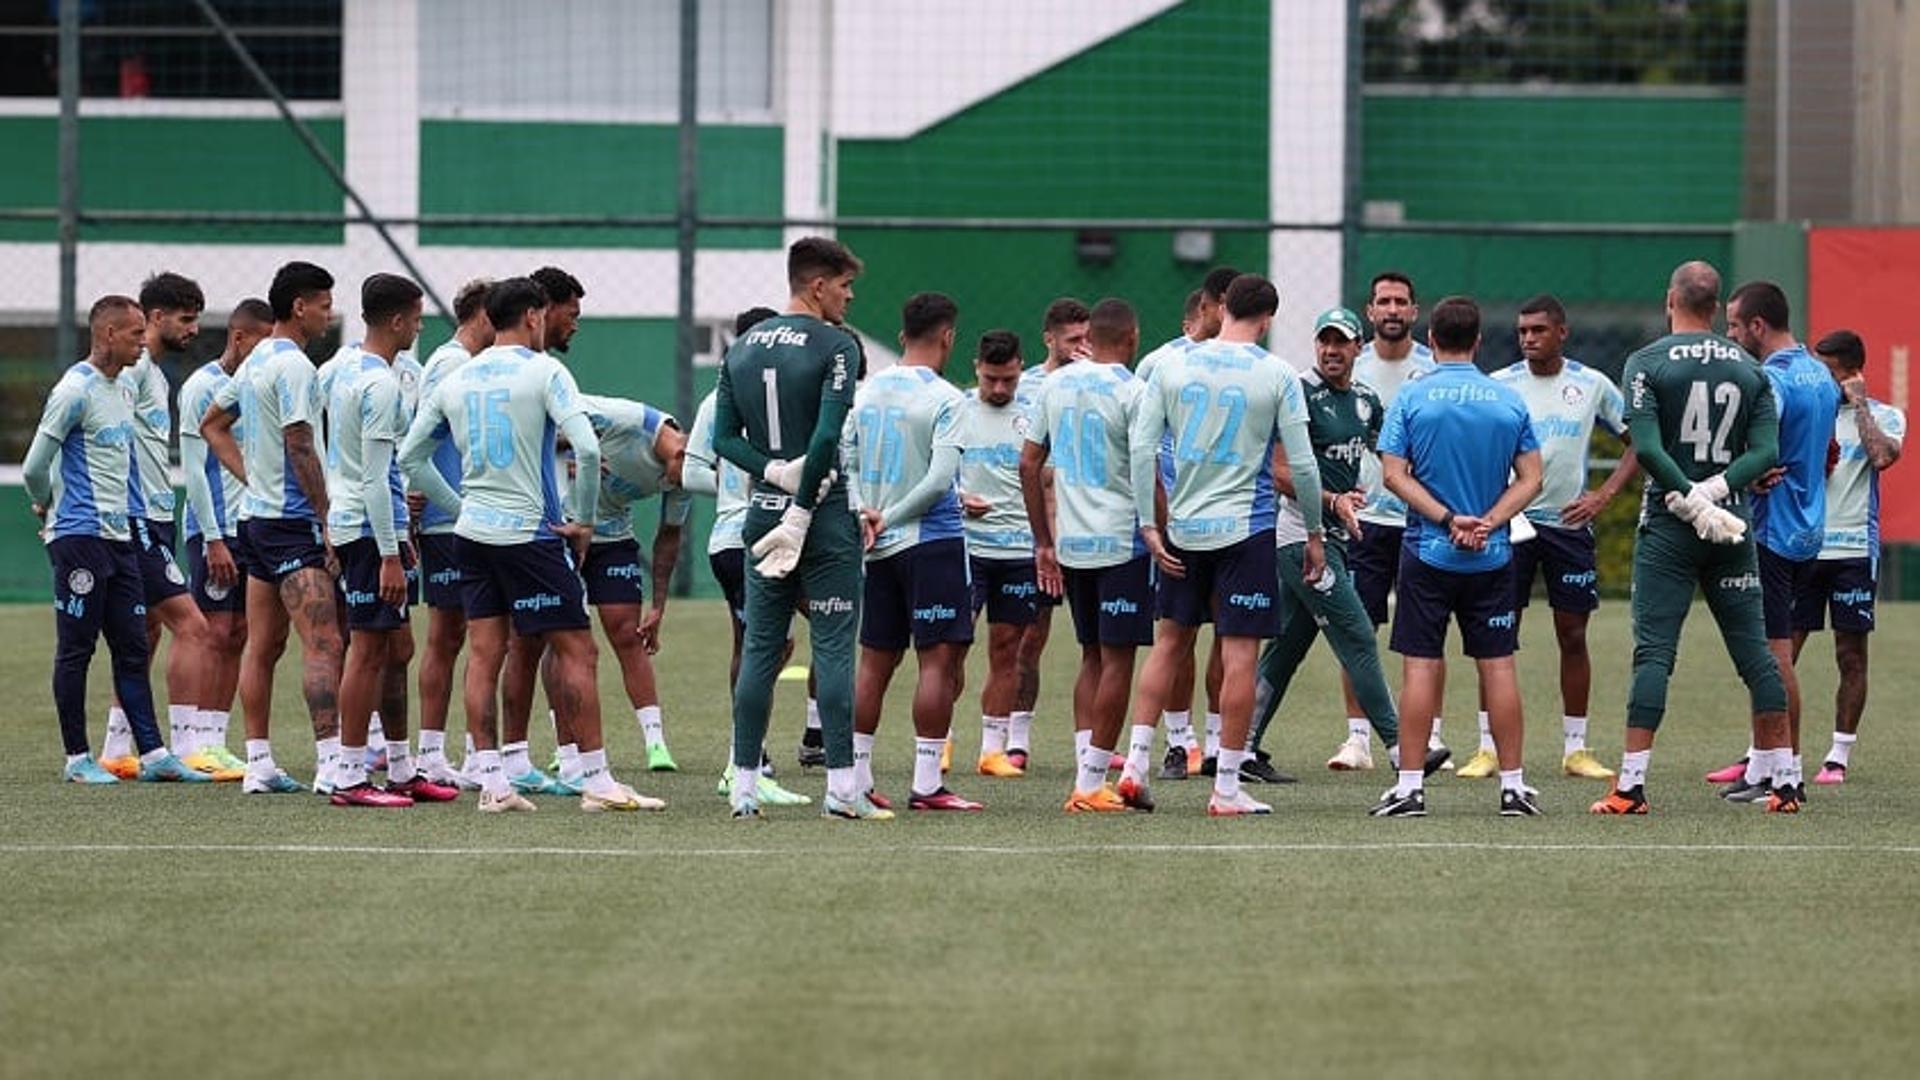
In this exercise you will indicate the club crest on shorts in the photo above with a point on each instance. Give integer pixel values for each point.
(173, 573)
(217, 592)
(80, 582)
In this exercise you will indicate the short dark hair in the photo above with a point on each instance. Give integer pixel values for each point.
(385, 295)
(295, 281)
(1546, 304)
(926, 314)
(256, 309)
(1251, 296)
(1214, 285)
(1192, 307)
(1112, 320)
(751, 318)
(168, 291)
(999, 347)
(1398, 277)
(1454, 324)
(1762, 300)
(559, 285)
(1064, 312)
(1846, 347)
(511, 298)
(819, 256)
(471, 300)
(107, 306)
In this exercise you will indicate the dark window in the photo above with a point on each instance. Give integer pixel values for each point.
(167, 49)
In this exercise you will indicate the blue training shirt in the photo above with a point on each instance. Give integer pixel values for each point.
(1459, 431)
(1791, 520)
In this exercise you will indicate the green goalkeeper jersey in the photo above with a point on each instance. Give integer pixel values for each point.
(1698, 406)
(784, 392)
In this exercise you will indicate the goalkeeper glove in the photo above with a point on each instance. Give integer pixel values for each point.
(779, 550)
(1682, 507)
(1718, 525)
(785, 475)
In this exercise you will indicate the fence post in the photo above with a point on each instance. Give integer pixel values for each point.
(66, 343)
(689, 206)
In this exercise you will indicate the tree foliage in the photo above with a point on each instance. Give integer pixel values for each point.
(1617, 42)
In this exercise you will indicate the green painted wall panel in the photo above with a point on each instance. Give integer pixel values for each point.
(474, 167)
(1527, 157)
(1584, 269)
(174, 163)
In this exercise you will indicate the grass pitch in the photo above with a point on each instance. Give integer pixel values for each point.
(160, 931)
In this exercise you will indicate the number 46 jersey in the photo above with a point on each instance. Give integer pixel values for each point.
(1707, 395)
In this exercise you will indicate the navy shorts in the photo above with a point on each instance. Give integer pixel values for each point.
(1567, 557)
(730, 570)
(1237, 585)
(1844, 587)
(278, 547)
(533, 583)
(212, 598)
(1783, 584)
(921, 596)
(1112, 605)
(612, 571)
(1375, 562)
(439, 570)
(160, 575)
(1005, 589)
(1481, 602)
(360, 582)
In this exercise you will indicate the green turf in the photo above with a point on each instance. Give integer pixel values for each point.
(1018, 942)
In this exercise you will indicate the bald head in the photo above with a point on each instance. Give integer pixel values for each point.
(1694, 289)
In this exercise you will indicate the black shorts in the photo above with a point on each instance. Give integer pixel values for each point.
(1112, 605)
(1845, 587)
(360, 581)
(730, 570)
(1783, 582)
(1567, 556)
(1375, 562)
(1481, 602)
(211, 598)
(533, 583)
(612, 571)
(160, 575)
(1006, 590)
(277, 547)
(1237, 585)
(920, 595)
(439, 570)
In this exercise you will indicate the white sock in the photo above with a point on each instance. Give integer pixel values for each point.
(1510, 780)
(260, 763)
(514, 759)
(595, 777)
(1842, 752)
(651, 728)
(180, 725)
(1633, 769)
(400, 767)
(1359, 728)
(1179, 728)
(376, 733)
(213, 728)
(1139, 753)
(863, 763)
(843, 785)
(1411, 780)
(469, 752)
(433, 749)
(119, 742)
(993, 735)
(484, 767)
(350, 767)
(570, 767)
(1574, 728)
(1019, 730)
(1760, 766)
(158, 753)
(1393, 756)
(75, 759)
(1793, 773)
(1486, 732)
(1081, 740)
(1226, 773)
(326, 755)
(926, 765)
(1213, 734)
(1093, 768)
(813, 715)
(1434, 738)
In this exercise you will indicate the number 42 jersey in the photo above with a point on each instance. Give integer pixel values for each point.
(1707, 394)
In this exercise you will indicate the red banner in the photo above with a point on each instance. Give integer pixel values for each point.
(1868, 281)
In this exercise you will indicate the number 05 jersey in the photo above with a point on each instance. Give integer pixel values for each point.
(1706, 393)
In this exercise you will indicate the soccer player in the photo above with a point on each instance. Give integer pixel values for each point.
(1566, 400)
(1080, 424)
(172, 306)
(517, 554)
(214, 573)
(904, 457)
(90, 509)
(1450, 444)
(290, 565)
(1343, 424)
(783, 397)
(1388, 362)
(1226, 402)
(993, 427)
(439, 570)
(1702, 417)
(1846, 576)
(1789, 514)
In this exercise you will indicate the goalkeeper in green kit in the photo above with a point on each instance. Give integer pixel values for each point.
(785, 389)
